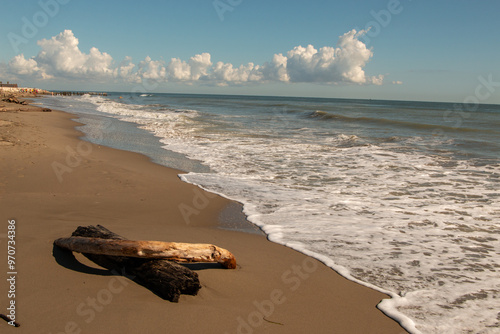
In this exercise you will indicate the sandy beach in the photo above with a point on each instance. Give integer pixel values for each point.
(52, 182)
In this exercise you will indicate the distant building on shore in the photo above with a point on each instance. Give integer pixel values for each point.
(7, 85)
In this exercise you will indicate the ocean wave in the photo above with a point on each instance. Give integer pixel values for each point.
(138, 111)
(326, 116)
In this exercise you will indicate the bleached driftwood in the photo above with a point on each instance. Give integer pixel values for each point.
(173, 251)
(166, 279)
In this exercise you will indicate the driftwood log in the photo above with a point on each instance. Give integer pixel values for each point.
(13, 99)
(166, 279)
(174, 251)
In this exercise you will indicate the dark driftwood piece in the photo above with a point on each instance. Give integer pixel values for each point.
(12, 323)
(166, 279)
(13, 99)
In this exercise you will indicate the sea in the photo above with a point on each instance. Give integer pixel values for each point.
(400, 196)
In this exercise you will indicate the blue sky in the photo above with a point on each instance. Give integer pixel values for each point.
(424, 50)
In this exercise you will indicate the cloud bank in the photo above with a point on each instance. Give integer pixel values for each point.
(60, 57)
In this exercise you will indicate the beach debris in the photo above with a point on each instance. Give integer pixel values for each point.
(10, 321)
(165, 278)
(13, 99)
(46, 110)
(173, 251)
(273, 322)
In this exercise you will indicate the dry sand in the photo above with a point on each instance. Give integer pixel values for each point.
(51, 182)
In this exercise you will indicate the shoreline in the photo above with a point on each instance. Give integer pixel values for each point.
(274, 290)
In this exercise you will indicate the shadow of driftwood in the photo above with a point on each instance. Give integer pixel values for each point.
(67, 260)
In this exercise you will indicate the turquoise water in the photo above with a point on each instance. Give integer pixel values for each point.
(399, 196)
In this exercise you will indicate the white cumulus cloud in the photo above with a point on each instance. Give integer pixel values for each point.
(125, 70)
(343, 63)
(28, 67)
(61, 57)
(151, 69)
(225, 73)
(276, 70)
(195, 69)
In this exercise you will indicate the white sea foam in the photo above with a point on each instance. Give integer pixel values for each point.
(420, 227)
